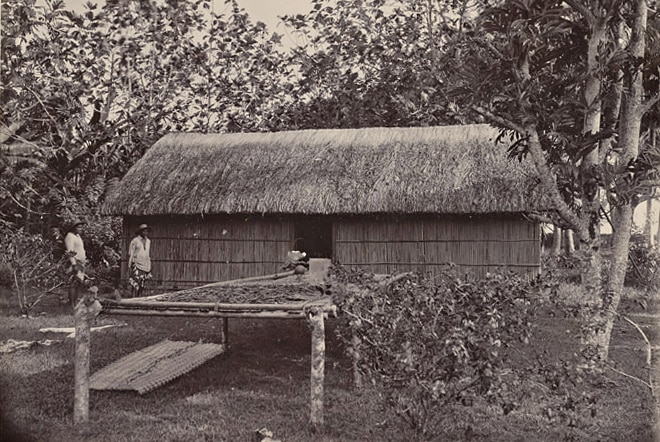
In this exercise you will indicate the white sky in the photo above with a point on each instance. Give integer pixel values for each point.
(266, 11)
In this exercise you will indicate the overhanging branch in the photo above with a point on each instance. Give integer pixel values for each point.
(545, 174)
(548, 182)
(500, 121)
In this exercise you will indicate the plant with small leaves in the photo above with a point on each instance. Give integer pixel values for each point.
(432, 342)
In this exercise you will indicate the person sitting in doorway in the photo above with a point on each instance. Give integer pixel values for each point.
(139, 260)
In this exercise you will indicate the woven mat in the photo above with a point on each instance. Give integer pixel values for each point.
(153, 366)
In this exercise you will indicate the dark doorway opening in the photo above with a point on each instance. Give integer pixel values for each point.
(313, 235)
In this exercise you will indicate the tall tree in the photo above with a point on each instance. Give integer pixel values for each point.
(246, 81)
(84, 95)
(566, 81)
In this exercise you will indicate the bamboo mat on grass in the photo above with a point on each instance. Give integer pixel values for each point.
(154, 366)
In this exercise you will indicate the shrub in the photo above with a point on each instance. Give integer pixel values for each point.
(643, 262)
(564, 267)
(6, 276)
(107, 273)
(33, 270)
(433, 342)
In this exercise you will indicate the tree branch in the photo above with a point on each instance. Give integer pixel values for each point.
(545, 174)
(6, 132)
(26, 141)
(42, 105)
(547, 180)
(500, 121)
(25, 208)
(582, 10)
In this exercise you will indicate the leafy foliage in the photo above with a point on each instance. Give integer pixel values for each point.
(552, 66)
(434, 342)
(84, 95)
(368, 63)
(643, 264)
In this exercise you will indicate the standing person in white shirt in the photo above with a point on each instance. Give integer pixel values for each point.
(139, 260)
(76, 248)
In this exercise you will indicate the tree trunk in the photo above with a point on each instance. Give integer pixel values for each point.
(556, 241)
(622, 221)
(570, 242)
(657, 235)
(591, 272)
(629, 133)
(648, 221)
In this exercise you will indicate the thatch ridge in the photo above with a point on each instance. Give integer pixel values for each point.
(444, 169)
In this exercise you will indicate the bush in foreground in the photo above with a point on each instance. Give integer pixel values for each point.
(434, 342)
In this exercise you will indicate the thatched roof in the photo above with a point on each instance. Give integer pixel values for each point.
(450, 169)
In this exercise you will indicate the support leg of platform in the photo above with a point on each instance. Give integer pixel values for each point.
(84, 311)
(225, 332)
(81, 361)
(315, 317)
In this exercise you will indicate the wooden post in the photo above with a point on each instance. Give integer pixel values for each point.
(82, 314)
(225, 332)
(315, 317)
(81, 377)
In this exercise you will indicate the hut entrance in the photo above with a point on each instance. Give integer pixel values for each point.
(314, 236)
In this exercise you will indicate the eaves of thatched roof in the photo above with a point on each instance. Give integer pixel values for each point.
(448, 169)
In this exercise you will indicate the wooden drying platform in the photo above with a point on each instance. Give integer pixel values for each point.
(261, 297)
(239, 300)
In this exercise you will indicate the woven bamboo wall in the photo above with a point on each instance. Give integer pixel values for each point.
(191, 251)
(424, 244)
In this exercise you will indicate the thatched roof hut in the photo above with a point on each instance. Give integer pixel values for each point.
(389, 199)
(452, 169)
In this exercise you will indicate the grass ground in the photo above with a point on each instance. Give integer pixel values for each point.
(263, 381)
